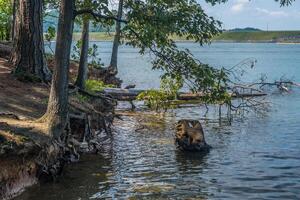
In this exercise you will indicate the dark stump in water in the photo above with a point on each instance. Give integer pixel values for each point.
(190, 136)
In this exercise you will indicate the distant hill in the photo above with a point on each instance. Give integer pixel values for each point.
(260, 36)
(247, 29)
(247, 34)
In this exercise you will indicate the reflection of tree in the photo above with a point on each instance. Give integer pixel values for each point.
(80, 181)
(190, 166)
(188, 160)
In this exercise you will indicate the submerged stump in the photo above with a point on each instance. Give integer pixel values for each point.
(190, 136)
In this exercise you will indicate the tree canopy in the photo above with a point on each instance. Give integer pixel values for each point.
(5, 18)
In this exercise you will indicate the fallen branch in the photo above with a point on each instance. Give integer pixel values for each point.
(131, 94)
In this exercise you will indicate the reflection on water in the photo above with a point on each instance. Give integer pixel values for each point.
(258, 158)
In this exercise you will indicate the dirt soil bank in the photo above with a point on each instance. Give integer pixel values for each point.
(27, 153)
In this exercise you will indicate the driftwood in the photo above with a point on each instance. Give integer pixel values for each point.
(131, 94)
(190, 136)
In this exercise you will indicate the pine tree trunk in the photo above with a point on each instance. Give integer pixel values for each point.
(114, 56)
(28, 55)
(57, 112)
(83, 64)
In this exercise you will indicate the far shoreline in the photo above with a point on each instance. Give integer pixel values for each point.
(213, 41)
(274, 37)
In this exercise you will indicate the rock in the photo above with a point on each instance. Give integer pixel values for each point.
(190, 136)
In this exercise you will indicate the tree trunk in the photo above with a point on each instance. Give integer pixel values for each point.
(83, 64)
(28, 55)
(114, 56)
(57, 112)
(12, 33)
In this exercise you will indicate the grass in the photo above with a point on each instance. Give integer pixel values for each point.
(259, 36)
(96, 36)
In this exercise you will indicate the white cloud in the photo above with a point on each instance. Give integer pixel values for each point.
(272, 13)
(239, 6)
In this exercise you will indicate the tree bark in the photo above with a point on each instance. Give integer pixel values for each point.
(28, 55)
(57, 112)
(83, 63)
(14, 4)
(114, 56)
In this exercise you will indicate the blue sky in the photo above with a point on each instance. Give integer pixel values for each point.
(260, 14)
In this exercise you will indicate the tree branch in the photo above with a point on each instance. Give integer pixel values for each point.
(98, 16)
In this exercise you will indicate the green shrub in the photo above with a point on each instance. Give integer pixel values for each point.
(161, 99)
(155, 99)
(94, 86)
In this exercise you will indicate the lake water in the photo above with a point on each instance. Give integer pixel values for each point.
(253, 158)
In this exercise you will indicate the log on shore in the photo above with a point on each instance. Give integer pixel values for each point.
(131, 94)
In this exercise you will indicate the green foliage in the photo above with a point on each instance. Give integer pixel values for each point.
(285, 2)
(94, 86)
(76, 50)
(218, 93)
(93, 55)
(199, 77)
(171, 86)
(153, 22)
(155, 99)
(98, 7)
(161, 99)
(82, 98)
(5, 19)
(50, 34)
(150, 25)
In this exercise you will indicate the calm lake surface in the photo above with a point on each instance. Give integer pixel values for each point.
(255, 158)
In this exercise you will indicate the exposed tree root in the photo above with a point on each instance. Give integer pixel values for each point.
(10, 115)
(45, 160)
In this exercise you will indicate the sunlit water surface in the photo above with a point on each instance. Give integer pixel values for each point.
(256, 158)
